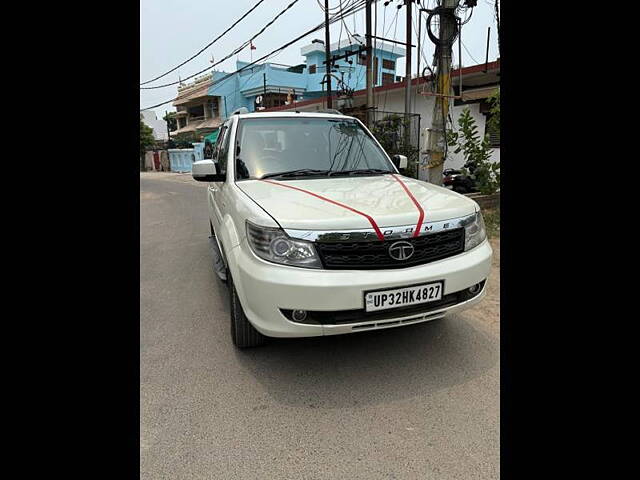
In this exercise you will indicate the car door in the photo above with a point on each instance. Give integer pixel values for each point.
(215, 198)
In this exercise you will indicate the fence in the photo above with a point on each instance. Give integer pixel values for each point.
(181, 159)
(390, 129)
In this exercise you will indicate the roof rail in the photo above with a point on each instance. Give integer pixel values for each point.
(330, 110)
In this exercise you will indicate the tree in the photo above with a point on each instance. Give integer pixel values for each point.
(494, 121)
(171, 120)
(477, 153)
(146, 140)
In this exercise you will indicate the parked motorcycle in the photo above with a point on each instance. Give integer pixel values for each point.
(457, 181)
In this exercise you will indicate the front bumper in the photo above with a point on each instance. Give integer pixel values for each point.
(265, 289)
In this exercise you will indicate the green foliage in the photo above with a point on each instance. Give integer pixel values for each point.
(171, 120)
(181, 143)
(146, 137)
(390, 133)
(493, 124)
(492, 221)
(494, 121)
(477, 152)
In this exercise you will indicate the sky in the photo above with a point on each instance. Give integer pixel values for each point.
(173, 30)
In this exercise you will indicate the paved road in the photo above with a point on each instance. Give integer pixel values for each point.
(417, 402)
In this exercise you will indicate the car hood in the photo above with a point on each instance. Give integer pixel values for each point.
(381, 197)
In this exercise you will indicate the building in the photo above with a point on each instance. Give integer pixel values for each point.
(204, 104)
(478, 83)
(197, 111)
(158, 126)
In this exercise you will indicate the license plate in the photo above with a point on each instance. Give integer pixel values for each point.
(402, 297)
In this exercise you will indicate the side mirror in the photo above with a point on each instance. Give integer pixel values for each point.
(400, 161)
(206, 171)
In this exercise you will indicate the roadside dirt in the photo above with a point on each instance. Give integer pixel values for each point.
(488, 310)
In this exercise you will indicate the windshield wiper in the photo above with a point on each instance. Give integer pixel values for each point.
(363, 171)
(302, 172)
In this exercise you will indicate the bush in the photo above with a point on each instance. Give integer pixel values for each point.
(146, 137)
(492, 221)
(477, 152)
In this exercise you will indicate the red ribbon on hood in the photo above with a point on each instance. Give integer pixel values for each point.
(371, 220)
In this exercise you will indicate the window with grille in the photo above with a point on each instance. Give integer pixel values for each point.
(388, 65)
(387, 78)
(270, 100)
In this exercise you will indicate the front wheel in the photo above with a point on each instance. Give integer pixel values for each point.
(243, 334)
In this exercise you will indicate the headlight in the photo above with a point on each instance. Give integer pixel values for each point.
(475, 232)
(273, 245)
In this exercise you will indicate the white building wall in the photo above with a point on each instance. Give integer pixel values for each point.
(393, 101)
(158, 126)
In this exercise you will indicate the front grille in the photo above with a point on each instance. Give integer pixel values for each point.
(374, 254)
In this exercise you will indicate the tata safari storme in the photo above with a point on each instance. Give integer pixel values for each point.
(317, 232)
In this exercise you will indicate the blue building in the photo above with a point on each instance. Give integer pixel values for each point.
(203, 105)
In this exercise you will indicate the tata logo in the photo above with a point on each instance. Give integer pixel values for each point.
(401, 251)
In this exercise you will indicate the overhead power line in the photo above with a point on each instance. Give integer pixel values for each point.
(467, 50)
(237, 50)
(356, 7)
(205, 47)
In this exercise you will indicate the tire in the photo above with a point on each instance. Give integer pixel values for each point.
(243, 334)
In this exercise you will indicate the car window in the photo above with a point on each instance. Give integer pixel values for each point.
(219, 140)
(222, 148)
(270, 145)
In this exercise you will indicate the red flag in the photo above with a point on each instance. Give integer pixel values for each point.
(251, 43)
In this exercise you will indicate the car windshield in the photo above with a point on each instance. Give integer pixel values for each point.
(299, 146)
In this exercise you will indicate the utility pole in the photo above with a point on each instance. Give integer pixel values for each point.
(370, 53)
(327, 53)
(407, 89)
(436, 135)
(498, 23)
(486, 60)
(418, 50)
(166, 115)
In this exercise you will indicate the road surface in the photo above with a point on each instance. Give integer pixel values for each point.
(417, 402)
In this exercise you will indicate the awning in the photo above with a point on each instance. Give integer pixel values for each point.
(478, 93)
(210, 123)
(199, 92)
(213, 136)
(189, 128)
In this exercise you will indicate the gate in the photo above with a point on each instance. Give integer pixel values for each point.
(390, 128)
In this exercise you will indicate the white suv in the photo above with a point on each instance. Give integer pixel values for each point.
(318, 233)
